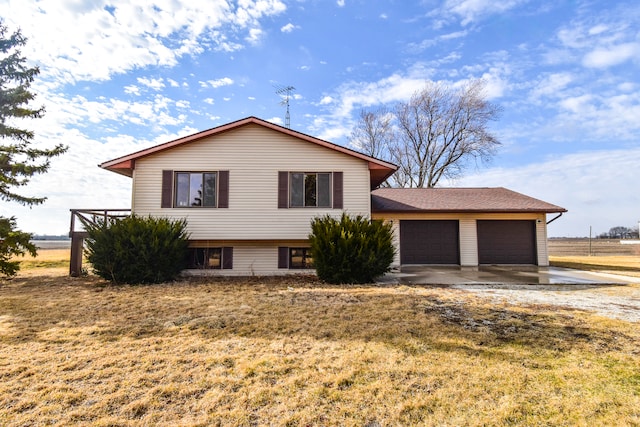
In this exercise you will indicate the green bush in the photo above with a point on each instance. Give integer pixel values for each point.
(350, 250)
(13, 243)
(138, 249)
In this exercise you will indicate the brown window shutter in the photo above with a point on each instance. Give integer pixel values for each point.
(167, 189)
(227, 258)
(283, 257)
(337, 190)
(223, 189)
(283, 190)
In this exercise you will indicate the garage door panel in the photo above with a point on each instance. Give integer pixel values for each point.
(506, 242)
(429, 242)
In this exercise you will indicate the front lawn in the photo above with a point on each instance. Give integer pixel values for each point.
(76, 351)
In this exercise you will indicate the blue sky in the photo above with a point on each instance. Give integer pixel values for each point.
(119, 76)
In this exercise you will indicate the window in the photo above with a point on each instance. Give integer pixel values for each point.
(210, 258)
(205, 258)
(196, 189)
(310, 189)
(300, 258)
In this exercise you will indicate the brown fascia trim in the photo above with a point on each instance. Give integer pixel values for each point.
(123, 168)
(505, 211)
(119, 165)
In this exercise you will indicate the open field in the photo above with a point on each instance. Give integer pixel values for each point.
(607, 255)
(77, 351)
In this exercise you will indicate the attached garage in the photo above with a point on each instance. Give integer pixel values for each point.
(465, 226)
(429, 242)
(507, 242)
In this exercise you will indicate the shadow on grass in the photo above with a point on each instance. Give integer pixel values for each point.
(412, 319)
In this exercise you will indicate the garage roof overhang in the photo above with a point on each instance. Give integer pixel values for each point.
(454, 200)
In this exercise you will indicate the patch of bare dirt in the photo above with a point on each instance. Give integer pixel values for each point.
(616, 302)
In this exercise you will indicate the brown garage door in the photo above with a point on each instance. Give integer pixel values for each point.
(429, 242)
(507, 242)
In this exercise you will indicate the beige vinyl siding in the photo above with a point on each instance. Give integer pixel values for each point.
(541, 236)
(468, 242)
(253, 156)
(468, 231)
(258, 258)
(395, 230)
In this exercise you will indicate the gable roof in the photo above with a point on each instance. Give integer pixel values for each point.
(379, 169)
(456, 200)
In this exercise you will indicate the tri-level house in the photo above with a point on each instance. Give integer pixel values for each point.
(249, 190)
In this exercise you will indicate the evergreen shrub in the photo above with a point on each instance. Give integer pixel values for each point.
(352, 249)
(13, 243)
(137, 249)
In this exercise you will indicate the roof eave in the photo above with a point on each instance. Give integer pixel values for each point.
(505, 211)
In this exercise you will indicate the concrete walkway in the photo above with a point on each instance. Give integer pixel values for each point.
(456, 275)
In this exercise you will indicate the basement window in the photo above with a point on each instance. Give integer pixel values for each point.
(300, 258)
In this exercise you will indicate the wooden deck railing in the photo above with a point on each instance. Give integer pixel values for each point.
(81, 217)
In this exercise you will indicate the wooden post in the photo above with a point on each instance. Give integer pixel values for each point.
(77, 244)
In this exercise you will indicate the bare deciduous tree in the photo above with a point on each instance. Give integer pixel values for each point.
(374, 132)
(437, 134)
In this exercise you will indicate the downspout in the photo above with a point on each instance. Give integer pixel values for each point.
(559, 215)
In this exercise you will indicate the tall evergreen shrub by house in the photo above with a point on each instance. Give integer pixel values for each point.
(138, 249)
(352, 249)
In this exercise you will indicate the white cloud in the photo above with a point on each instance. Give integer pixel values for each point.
(580, 105)
(155, 84)
(425, 44)
(611, 55)
(598, 29)
(132, 90)
(551, 85)
(209, 101)
(255, 35)
(340, 3)
(289, 28)
(90, 43)
(473, 10)
(173, 83)
(225, 81)
(81, 113)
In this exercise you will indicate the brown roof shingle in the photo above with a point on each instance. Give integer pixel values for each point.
(456, 200)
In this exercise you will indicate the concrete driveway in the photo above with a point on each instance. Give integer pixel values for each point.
(456, 275)
(609, 295)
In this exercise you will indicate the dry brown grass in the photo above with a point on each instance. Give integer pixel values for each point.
(615, 264)
(77, 351)
(46, 258)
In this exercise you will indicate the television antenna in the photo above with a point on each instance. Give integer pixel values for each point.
(285, 93)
